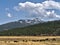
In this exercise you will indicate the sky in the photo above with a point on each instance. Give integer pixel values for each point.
(13, 10)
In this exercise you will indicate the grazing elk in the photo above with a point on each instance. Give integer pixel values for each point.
(53, 39)
(24, 40)
(15, 41)
(42, 40)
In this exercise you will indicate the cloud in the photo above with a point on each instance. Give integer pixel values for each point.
(9, 15)
(40, 9)
(51, 4)
(8, 12)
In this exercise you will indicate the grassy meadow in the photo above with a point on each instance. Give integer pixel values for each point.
(30, 40)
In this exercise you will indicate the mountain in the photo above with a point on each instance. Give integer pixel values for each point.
(20, 23)
(47, 28)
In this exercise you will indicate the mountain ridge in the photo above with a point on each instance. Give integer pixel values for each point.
(19, 23)
(50, 28)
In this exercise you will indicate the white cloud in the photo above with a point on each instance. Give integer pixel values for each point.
(9, 15)
(40, 9)
(57, 16)
(8, 12)
(48, 13)
(51, 4)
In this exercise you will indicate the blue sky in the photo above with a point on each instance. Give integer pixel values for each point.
(12, 10)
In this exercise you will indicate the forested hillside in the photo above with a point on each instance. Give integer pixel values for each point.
(46, 28)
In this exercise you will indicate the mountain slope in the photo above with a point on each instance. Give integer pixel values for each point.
(47, 28)
(19, 23)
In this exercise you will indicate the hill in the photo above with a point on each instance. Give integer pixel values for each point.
(46, 28)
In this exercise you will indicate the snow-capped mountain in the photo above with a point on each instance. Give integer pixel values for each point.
(20, 23)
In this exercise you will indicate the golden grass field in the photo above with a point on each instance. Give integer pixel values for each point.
(29, 40)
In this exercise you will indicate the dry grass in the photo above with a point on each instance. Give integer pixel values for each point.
(27, 40)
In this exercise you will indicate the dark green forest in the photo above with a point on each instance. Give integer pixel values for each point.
(50, 28)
